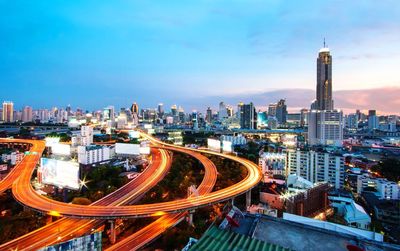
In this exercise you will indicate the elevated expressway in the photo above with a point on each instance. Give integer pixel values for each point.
(24, 192)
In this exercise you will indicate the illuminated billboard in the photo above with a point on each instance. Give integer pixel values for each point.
(144, 150)
(61, 149)
(90, 242)
(59, 173)
(50, 141)
(214, 144)
(125, 148)
(133, 134)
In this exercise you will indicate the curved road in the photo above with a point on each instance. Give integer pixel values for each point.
(64, 229)
(24, 193)
(153, 230)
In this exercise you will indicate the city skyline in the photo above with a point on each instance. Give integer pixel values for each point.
(194, 52)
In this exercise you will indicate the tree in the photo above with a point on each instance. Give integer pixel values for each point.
(81, 201)
(388, 168)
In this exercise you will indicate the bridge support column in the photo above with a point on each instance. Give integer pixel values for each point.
(248, 199)
(233, 201)
(49, 219)
(113, 236)
(190, 217)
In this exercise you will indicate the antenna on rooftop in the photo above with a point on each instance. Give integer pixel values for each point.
(324, 43)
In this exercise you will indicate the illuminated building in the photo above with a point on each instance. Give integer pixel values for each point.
(135, 108)
(195, 122)
(109, 113)
(8, 111)
(324, 80)
(316, 166)
(222, 112)
(209, 115)
(92, 154)
(247, 116)
(325, 127)
(373, 121)
(272, 110)
(281, 112)
(160, 110)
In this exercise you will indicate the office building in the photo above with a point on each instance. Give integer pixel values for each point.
(109, 113)
(324, 80)
(160, 110)
(222, 112)
(135, 108)
(316, 166)
(373, 120)
(247, 116)
(272, 109)
(209, 115)
(325, 127)
(281, 112)
(27, 114)
(8, 111)
(195, 121)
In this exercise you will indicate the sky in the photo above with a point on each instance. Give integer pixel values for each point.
(94, 53)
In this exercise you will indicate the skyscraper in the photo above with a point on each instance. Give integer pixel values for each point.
(222, 112)
(281, 112)
(209, 115)
(247, 116)
(325, 125)
(8, 111)
(324, 80)
(135, 108)
(27, 114)
(160, 110)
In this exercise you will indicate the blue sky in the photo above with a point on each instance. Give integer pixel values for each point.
(94, 53)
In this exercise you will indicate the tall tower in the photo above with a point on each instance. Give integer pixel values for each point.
(8, 111)
(324, 80)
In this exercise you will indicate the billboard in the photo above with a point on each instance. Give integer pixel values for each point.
(214, 144)
(61, 149)
(50, 141)
(59, 173)
(90, 242)
(133, 134)
(144, 150)
(125, 148)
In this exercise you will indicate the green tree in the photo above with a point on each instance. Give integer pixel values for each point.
(389, 168)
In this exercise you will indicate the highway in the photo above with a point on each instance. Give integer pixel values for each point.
(25, 194)
(64, 229)
(156, 228)
(37, 147)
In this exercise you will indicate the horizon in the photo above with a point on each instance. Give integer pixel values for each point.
(95, 54)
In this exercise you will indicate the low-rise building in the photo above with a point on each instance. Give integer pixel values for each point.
(352, 213)
(385, 189)
(88, 155)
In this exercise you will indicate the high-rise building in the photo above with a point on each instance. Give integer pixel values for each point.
(209, 115)
(316, 166)
(325, 127)
(109, 113)
(373, 120)
(281, 112)
(195, 121)
(160, 110)
(222, 112)
(27, 114)
(247, 116)
(272, 110)
(135, 108)
(324, 80)
(8, 111)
